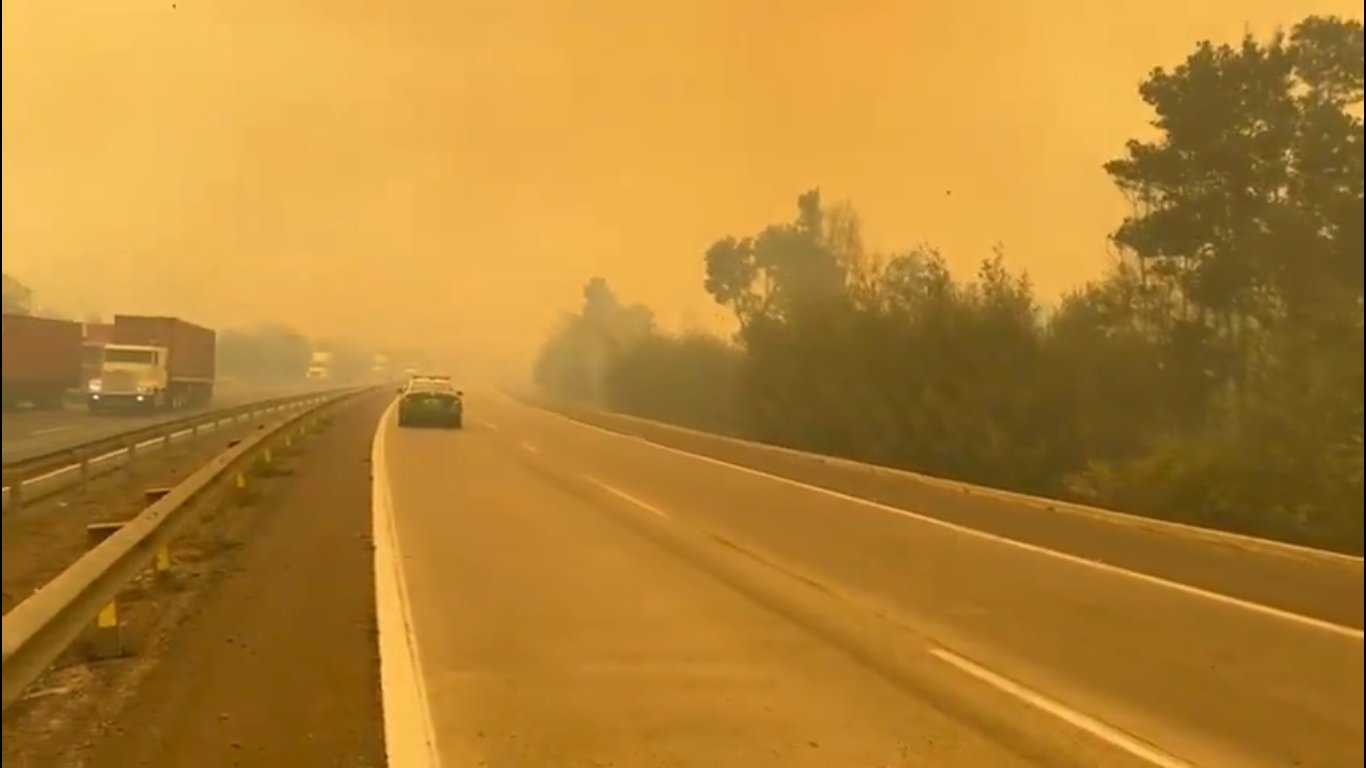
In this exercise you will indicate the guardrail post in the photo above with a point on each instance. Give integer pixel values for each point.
(287, 443)
(239, 482)
(106, 635)
(83, 469)
(16, 495)
(270, 464)
(162, 565)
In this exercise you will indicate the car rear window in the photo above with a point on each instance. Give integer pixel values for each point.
(444, 399)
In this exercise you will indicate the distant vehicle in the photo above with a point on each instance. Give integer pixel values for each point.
(420, 378)
(154, 364)
(320, 366)
(42, 360)
(431, 404)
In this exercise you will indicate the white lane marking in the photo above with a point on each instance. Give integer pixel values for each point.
(1186, 589)
(1082, 722)
(624, 496)
(1113, 517)
(529, 448)
(409, 734)
(53, 430)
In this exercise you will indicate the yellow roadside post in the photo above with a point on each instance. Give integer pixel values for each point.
(106, 635)
(163, 561)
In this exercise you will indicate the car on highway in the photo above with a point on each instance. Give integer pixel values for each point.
(431, 403)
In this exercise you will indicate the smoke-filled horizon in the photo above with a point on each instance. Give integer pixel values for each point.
(450, 174)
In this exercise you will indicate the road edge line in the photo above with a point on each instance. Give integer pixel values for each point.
(1213, 536)
(1131, 744)
(1267, 611)
(409, 735)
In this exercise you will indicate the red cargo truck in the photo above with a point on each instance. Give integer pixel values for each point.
(42, 360)
(155, 363)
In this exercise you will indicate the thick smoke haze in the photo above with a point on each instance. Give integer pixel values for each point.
(449, 173)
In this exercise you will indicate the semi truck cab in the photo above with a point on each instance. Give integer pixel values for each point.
(319, 366)
(132, 376)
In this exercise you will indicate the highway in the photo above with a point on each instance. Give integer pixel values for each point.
(549, 594)
(33, 433)
(579, 597)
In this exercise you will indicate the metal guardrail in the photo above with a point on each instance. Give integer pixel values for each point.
(59, 457)
(84, 597)
(41, 476)
(603, 419)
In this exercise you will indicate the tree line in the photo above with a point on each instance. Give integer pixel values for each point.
(1213, 376)
(269, 353)
(275, 354)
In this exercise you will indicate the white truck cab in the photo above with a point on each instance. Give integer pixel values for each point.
(319, 366)
(131, 374)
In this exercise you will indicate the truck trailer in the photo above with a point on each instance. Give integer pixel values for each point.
(153, 364)
(42, 360)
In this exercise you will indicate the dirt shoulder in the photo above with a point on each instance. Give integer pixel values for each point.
(258, 650)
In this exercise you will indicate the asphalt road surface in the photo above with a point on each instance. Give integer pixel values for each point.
(580, 598)
(551, 595)
(33, 433)
(1313, 584)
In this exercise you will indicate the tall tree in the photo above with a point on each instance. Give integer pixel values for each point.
(1251, 198)
(767, 275)
(1214, 376)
